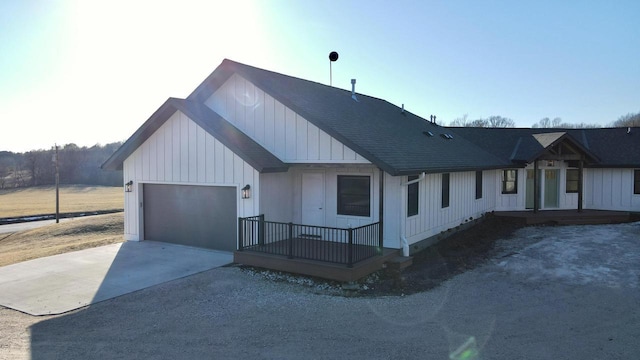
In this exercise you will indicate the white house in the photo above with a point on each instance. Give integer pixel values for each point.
(326, 158)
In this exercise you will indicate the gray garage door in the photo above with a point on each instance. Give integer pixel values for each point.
(202, 216)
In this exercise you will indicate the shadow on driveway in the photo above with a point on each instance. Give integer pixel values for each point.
(65, 282)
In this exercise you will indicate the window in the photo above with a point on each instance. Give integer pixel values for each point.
(445, 190)
(636, 182)
(573, 178)
(478, 184)
(510, 181)
(412, 196)
(354, 195)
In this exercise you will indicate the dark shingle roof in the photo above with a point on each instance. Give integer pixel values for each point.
(376, 129)
(250, 151)
(397, 141)
(611, 147)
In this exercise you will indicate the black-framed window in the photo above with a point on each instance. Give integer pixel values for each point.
(478, 184)
(354, 195)
(573, 178)
(636, 181)
(413, 194)
(510, 181)
(445, 190)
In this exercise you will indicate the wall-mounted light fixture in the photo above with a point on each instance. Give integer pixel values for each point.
(128, 186)
(246, 192)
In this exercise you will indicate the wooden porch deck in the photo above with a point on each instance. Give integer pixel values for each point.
(275, 259)
(568, 217)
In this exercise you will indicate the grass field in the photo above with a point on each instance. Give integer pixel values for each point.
(75, 234)
(73, 198)
(71, 235)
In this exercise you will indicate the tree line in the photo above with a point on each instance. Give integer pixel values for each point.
(630, 119)
(76, 165)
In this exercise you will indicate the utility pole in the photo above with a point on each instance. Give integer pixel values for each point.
(55, 160)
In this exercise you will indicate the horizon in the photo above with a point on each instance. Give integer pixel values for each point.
(68, 75)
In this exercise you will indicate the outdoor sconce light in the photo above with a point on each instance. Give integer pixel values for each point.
(127, 186)
(246, 192)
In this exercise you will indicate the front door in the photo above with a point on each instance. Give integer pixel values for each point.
(551, 188)
(313, 199)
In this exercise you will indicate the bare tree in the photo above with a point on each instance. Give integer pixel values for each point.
(627, 120)
(492, 121)
(461, 121)
(500, 122)
(546, 123)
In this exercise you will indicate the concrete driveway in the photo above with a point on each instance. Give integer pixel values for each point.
(61, 283)
(525, 302)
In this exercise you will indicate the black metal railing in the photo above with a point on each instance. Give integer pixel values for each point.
(328, 244)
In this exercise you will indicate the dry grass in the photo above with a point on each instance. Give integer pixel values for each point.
(72, 235)
(73, 198)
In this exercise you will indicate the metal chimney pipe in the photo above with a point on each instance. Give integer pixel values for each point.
(353, 87)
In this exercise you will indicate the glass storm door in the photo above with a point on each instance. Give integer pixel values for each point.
(551, 187)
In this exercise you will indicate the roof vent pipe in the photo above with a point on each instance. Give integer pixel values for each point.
(629, 130)
(353, 89)
(402, 108)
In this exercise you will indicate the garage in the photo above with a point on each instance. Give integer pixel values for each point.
(201, 216)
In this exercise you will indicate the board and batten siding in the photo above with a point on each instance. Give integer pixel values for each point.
(508, 202)
(182, 153)
(277, 128)
(432, 218)
(610, 189)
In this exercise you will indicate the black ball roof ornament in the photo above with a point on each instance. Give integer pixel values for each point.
(333, 56)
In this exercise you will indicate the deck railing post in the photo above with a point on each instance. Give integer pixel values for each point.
(350, 248)
(261, 226)
(380, 236)
(240, 240)
(290, 240)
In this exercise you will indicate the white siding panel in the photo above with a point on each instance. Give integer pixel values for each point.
(201, 154)
(168, 152)
(610, 189)
(290, 134)
(192, 142)
(219, 161)
(210, 158)
(432, 218)
(180, 152)
(277, 128)
(313, 142)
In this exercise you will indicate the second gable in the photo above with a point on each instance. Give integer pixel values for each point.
(276, 127)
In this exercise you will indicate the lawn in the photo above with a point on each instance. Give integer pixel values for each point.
(73, 198)
(71, 235)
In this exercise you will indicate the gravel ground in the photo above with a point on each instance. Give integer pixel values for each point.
(540, 293)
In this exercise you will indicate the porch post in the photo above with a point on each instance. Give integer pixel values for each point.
(240, 240)
(381, 211)
(290, 241)
(580, 169)
(261, 229)
(536, 195)
(350, 248)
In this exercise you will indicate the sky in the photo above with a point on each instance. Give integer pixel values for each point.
(91, 72)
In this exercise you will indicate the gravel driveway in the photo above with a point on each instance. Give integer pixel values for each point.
(547, 293)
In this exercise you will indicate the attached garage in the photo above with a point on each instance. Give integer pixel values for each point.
(192, 215)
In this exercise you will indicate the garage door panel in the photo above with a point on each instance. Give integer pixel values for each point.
(202, 216)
